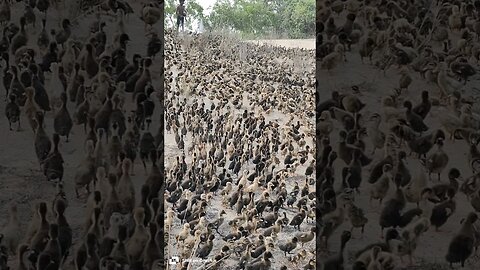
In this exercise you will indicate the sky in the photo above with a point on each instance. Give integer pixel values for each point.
(206, 4)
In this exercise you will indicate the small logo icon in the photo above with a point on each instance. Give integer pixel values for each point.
(174, 260)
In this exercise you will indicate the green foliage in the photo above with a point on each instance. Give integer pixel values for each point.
(265, 18)
(252, 18)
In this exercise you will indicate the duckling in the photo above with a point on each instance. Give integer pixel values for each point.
(152, 251)
(65, 233)
(415, 121)
(442, 211)
(377, 136)
(91, 64)
(12, 111)
(53, 247)
(461, 246)
(119, 253)
(64, 34)
(21, 38)
(424, 107)
(112, 204)
(405, 79)
(154, 45)
(287, 247)
(85, 171)
(139, 239)
(150, 15)
(413, 191)
(43, 39)
(39, 240)
(62, 123)
(11, 233)
(337, 262)
(126, 189)
(437, 161)
(441, 190)
(43, 144)
(53, 163)
(380, 188)
(331, 60)
(356, 216)
(114, 146)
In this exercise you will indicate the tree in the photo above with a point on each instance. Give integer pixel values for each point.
(265, 18)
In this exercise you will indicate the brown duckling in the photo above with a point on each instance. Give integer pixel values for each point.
(21, 38)
(437, 161)
(64, 229)
(62, 123)
(288, 246)
(53, 247)
(12, 111)
(152, 251)
(112, 204)
(462, 244)
(39, 240)
(139, 239)
(91, 64)
(85, 172)
(119, 252)
(126, 189)
(337, 262)
(43, 144)
(53, 164)
(30, 108)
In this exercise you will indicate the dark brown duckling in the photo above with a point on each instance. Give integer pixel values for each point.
(53, 164)
(442, 211)
(64, 34)
(53, 247)
(21, 38)
(152, 251)
(424, 107)
(91, 64)
(43, 39)
(462, 244)
(62, 123)
(43, 144)
(39, 240)
(337, 262)
(64, 230)
(12, 112)
(415, 121)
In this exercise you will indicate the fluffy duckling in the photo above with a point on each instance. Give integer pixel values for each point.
(12, 111)
(288, 246)
(356, 215)
(462, 244)
(437, 161)
(21, 38)
(337, 262)
(139, 239)
(53, 164)
(415, 121)
(381, 187)
(62, 123)
(11, 232)
(126, 189)
(376, 136)
(413, 191)
(442, 211)
(424, 107)
(39, 240)
(330, 61)
(43, 144)
(85, 171)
